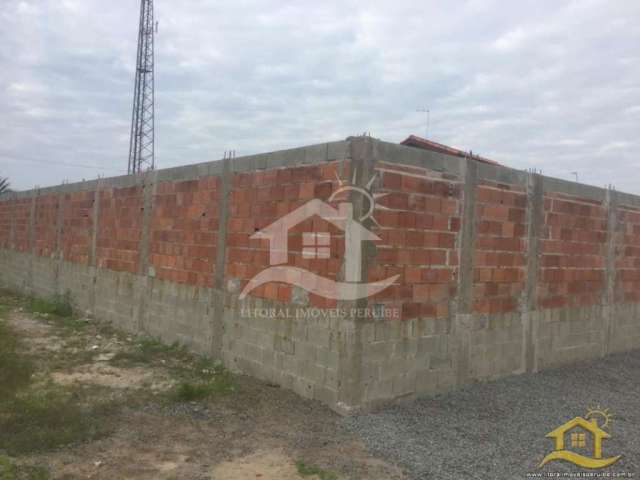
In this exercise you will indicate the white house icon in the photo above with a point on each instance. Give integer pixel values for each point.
(278, 234)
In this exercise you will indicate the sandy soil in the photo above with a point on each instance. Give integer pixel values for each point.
(257, 432)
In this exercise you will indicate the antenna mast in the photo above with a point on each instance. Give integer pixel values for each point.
(428, 112)
(141, 144)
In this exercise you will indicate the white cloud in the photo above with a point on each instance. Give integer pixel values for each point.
(533, 83)
(511, 40)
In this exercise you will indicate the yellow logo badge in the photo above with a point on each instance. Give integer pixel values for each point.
(585, 434)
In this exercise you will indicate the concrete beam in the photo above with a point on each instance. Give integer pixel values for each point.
(557, 185)
(411, 156)
(307, 155)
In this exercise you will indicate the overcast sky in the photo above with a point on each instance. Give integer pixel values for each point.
(547, 84)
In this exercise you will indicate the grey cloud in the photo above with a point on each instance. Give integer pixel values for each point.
(545, 84)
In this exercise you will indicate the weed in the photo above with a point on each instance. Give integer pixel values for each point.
(199, 377)
(60, 306)
(47, 417)
(16, 369)
(191, 392)
(200, 383)
(148, 350)
(36, 417)
(10, 299)
(10, 471)
(309, 470)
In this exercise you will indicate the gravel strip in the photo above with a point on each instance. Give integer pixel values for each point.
(496, 430)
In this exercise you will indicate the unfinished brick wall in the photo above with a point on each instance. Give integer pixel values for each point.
(21, 217)
(119, 229)
(627, 285)
(258, 199)
(6, 209)
(499, 271)
(46, 220)
(184, 231)
(572, 266)
(419, 220)
(77, 224)
(419, 223)
(500, 249)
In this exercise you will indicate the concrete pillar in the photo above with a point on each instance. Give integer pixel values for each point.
(93, 249)
(94, 226)
(350, 345)
(608, 301)
(32, 222)
(464, 302)
(149, 186)
(144, 279)
(12, 224)
(529, 300)
(31, 240)
(59, 253)
(219, 287)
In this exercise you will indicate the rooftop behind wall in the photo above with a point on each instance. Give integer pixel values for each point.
(500, 271)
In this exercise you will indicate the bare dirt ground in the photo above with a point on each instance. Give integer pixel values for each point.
(80, 400)
(247, 431)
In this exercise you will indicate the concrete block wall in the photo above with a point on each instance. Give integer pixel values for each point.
(499, 271)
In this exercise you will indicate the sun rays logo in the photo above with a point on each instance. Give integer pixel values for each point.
(317, 245)
(584, 435)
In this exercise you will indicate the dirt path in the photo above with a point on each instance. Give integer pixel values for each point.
(254, 432)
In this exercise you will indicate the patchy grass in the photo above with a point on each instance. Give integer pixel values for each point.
(60, 306)
(202, 379)
(149, 350)
(191, 391)
(309, 470)
(58, 310)
(48, 417)
(11, 471)
(36, 417)
(15, 369)
(10, 299)
(197, 378)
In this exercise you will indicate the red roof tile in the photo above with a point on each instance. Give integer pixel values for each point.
(423, 143)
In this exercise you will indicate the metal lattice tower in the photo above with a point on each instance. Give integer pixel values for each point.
(141, 146)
